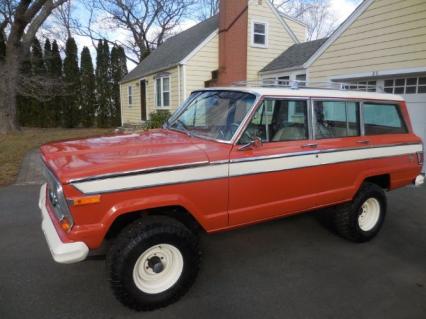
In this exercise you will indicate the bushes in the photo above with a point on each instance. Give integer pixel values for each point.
(157, 119)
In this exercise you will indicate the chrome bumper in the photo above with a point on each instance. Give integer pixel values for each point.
(419, 181)
(64, 253)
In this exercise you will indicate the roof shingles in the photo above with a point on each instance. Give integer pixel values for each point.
(294, 56)
(174, 50)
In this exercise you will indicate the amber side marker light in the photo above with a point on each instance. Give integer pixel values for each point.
(86, 200)
(65, 224)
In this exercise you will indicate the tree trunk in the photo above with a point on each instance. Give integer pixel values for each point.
(9, 72)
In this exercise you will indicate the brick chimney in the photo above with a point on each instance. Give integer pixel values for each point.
(233, 24)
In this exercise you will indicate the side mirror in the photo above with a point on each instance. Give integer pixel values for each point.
(256, 142)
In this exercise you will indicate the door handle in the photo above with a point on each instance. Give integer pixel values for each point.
(311, 145)
(364, 142)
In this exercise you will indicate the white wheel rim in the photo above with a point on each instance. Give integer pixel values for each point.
(370, 214)
(151, 282)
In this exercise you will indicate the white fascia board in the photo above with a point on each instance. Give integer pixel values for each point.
(199, 47)
(377, 74)
(286, 16)
(284, 24)
(339, 31)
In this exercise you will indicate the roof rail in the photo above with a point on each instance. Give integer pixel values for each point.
(295, 85)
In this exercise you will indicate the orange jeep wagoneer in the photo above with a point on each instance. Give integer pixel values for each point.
(228, 157)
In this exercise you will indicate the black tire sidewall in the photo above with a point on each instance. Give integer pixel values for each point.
(371, 191)
(138, 250)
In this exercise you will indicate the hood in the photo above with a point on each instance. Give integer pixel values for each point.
(83, 158)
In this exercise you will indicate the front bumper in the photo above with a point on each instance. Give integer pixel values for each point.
(64, 253)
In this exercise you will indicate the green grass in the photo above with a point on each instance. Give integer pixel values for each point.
(14, 146)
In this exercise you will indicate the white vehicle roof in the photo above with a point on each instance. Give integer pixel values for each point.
(313, 92)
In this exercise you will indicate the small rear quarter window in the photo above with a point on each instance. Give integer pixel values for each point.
(383, 119)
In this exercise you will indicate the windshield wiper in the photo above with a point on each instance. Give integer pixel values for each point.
(182, 127)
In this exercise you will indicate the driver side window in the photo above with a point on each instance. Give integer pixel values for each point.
(278, 121)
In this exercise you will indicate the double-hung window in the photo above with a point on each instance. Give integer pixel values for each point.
(130, 94)
(259, 34)
(162, 87)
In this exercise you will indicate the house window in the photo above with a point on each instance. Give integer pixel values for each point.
(369, 86)
(130, 94)
(412, 85)
(302, 78)
(260, 34)
(163, 91)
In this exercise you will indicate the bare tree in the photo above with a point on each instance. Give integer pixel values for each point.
(19, 23)
(316, 14)
(145, 23)
(207, 9)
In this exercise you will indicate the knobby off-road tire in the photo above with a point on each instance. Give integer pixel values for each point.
(152, 263)
(361, 219)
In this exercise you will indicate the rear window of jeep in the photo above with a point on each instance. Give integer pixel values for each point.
(383, 119)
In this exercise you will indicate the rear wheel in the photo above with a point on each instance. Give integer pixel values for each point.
(152, 263)
(361, 219)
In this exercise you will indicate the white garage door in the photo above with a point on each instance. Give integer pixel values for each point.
(416, 104)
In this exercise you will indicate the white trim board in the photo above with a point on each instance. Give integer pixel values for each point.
(377, 74)
(339, 31)
(283, 22)
(199, 47)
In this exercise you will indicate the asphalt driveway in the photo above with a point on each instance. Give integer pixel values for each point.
(291, 268)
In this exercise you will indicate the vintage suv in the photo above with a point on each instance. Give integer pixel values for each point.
(228, 157)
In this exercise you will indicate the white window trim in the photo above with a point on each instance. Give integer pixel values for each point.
(257, 45)
(130, 95)
(161, 106)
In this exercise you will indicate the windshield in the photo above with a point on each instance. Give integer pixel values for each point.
(213, 114)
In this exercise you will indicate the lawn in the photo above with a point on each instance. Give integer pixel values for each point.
(14, 146)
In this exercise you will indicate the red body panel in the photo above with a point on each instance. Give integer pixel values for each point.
(217, 204)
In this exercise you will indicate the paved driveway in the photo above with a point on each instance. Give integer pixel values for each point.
(291, 268)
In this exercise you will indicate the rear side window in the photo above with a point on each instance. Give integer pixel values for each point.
(383, 119)
(335, 119)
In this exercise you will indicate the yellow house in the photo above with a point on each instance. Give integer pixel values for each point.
(241, 40)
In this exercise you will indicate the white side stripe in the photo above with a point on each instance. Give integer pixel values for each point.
(263, 165)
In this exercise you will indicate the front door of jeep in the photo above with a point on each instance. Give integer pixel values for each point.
(274, 177)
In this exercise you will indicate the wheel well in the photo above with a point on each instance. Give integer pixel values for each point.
(176, 212)
(381, 180)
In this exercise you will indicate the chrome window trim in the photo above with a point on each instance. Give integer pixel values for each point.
(361, 123)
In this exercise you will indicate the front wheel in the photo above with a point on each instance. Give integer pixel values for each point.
(361, 219)
(152, 263)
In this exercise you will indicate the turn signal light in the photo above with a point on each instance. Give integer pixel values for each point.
(86, 200)
(65, 224)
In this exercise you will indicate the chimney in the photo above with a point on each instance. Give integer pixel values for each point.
(233, 24)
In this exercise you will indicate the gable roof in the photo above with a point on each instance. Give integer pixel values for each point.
(174, 50)
(295, 56)
(364, 5)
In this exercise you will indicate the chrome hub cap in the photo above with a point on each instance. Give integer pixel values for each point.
(370, 214)
(158, 269)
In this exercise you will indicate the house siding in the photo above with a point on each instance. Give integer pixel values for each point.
(298, 29)
(130, 113)
(388, 35)
(200, 67)
(278, 39)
